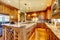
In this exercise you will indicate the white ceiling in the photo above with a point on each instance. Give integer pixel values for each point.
(31, 5)
(14, 3)
(35, 5)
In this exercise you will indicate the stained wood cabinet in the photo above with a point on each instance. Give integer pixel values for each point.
(1, 8)
(13, 33)
(48, 13)
(51, 35)
(29, 31)
(14, 13)
(5, 9)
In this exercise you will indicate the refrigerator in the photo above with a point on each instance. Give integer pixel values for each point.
(3, 20)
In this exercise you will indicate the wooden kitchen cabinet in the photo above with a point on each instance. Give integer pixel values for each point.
(14, 13)
(49, 13)
(9, 10)
(13, 33)
(6, 10)
(1, 8)
(51, 35)
(30, 31)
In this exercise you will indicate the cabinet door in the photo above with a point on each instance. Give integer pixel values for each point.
(52, 36)
(56, 38)
(1, 8)
(6, 10)
(16, 14)
(11, 14)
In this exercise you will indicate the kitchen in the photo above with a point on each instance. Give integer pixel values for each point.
(25, 20)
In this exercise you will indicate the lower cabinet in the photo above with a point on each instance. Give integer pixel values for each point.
(30, 31)
(13, 33)
(52, 36)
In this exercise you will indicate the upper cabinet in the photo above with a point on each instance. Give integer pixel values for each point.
(1, 8)
(49, 13)
(6, 10)
(9, 10)
(14, 13)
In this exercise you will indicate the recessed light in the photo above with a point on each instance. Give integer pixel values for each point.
(42, 3)
(9, 1)
(18, 11)
(11, 16)
(55, 2)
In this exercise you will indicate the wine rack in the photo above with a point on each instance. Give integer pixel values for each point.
(12, 33)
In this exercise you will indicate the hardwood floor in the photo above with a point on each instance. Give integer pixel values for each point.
(42, 32)
(0, 38)
(39, 34)
(32, 37)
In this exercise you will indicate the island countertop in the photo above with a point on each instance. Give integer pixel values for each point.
(54, 29)
(19, 25)
(22, 30)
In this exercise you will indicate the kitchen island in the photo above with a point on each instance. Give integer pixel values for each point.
(18, 32)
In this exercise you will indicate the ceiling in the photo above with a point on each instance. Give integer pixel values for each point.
(29, 5)
(34, 5)
(14, 3)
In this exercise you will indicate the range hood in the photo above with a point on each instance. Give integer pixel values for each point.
(56, 9)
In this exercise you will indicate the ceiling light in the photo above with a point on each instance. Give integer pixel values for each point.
(11, 17)
(18, 11)
(55, 2)
(9, 1)
(42, 3)
(34, 14)
(29, 15)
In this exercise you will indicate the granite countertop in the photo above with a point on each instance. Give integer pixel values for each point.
(54, 29)
(19, 25)
(13, 25)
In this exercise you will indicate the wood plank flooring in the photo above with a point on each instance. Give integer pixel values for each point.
(39, 34)
(0, 38)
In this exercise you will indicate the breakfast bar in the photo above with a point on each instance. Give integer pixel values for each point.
(17, 32)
